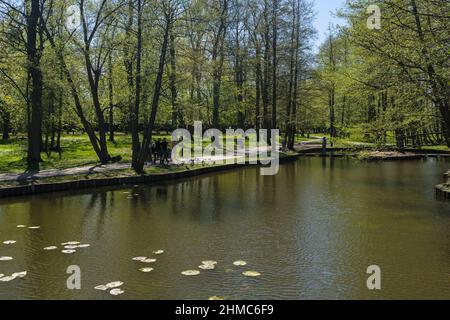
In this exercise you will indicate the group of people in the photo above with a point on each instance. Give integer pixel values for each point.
(160, 151)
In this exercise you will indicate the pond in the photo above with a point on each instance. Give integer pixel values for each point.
(311, 232)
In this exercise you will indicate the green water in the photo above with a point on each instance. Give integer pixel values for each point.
(311, 231)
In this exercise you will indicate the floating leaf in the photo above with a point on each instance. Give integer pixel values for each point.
(19, 274)
(216, 298)
(158, 252)
(101, 287)
(7, 279)
(9, 242)
(116, 292)
(240, 263)
(114, 284)
(50, 248)
(6, 258)
(207, 266)
(146, 269)
(68, 251)
(139, 258)
(190, 273)
(251, 273)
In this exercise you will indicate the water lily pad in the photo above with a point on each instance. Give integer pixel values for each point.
(34, 227)
(190, 273)
(21, 226)
(207, 266)
(9, 242)
(251, 273)
(50, 248)
(6, 258)
(148, 260)
(19, 274)
(116, 292)
(216, 298)
(139, 258)
(68, 251)
(240, 263)
(114, 284)
(158, 252)
(146, 269)
(101, 287)
(7, 279)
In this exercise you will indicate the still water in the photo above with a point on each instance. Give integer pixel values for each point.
(311, 231)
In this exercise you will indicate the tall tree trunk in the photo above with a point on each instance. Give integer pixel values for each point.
(265, 87)
(35, 126)
(176, 112)
(274, 62)
(143, 154)
(134, 114)
(217, 61)
(6, 125)
(111, 98)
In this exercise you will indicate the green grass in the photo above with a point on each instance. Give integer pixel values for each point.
(77, 151)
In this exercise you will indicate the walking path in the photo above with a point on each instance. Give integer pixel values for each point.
(91, 169)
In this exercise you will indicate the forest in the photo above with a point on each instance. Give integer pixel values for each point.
(117, 73)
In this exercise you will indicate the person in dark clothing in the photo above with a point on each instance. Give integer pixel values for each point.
(164, 151)
(153, 153)
(158, 150)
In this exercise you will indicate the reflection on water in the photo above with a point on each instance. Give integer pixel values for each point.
(311, 231)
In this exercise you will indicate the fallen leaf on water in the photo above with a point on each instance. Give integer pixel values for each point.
(207, 266)
(116, 292)
(19, 274)
(240, 263)
(251, 273)
(190, 272)
(6, 258)
(101, 287)
(139, 258)
(7, 279)
(114, 284)
(51, 248)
